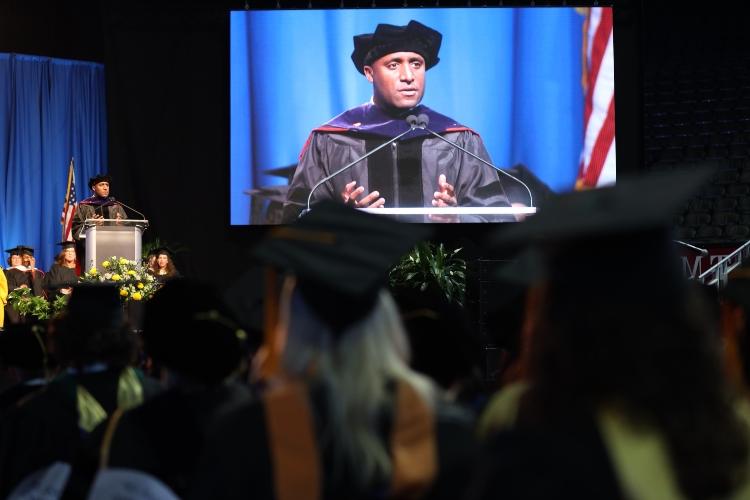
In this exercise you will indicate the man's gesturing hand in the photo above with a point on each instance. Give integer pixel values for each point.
(445, 196)
(351, 193)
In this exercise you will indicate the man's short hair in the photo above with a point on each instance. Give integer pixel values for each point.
(387, 39)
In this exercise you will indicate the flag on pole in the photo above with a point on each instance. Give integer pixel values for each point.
(69, 206)
(597, 166)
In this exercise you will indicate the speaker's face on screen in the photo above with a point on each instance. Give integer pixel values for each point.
(398, 80)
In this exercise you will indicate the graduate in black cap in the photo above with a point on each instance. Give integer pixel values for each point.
(35, 276)
(189, 333)
(98, 206)
(96, 352)
(624, 395)
(21, 273)
(419, 170)
(64, 272)
(342, 415)
(163, 267)
(23, 363)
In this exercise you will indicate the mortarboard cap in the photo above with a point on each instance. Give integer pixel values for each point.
(24, 250)
(188, 328)
(95, 307)
(67, 244)
(162, 250)
(341, 258)
(286, 172)
(615, 238)
(633, 205)
(387, 39)
(99, 178)
(92, 329)
(14, 251)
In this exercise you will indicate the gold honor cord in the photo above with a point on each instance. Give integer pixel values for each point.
(109, 435)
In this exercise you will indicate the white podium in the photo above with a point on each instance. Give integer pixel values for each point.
(108, 237)
(454, 214)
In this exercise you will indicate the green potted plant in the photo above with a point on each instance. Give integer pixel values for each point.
(431, 268)
(29, 305)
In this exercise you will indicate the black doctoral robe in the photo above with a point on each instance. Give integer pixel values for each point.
(165, 436)
(405, 173)
(45, 428)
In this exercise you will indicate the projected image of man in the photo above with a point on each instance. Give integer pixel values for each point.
(418, 170)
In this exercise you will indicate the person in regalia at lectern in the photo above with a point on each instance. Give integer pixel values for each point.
(22, 273)
(419, 170)
(99, 206)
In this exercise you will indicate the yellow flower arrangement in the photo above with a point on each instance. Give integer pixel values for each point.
(131, 278)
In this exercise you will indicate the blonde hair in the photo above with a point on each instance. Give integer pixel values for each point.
(357, 368)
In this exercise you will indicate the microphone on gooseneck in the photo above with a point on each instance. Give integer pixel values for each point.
(413, 122)
(113, 201)
(423, 120)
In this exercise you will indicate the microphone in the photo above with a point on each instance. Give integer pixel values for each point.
(112, 200)
(423, 120)
(413, 122)
(702, 251)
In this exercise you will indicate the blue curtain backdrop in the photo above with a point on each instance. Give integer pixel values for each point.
(50, 110)
(513, 75)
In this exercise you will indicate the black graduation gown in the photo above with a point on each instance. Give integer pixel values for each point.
(237, 463)
(59, 277)
(17, 278)
(15, 393)
(533, 463)
(163, 278)
(45, 428)
(165, 436)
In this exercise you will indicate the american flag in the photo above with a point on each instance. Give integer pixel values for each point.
(69, 206)
(597, 166)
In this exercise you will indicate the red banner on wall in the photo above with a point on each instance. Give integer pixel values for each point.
(694, 264)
